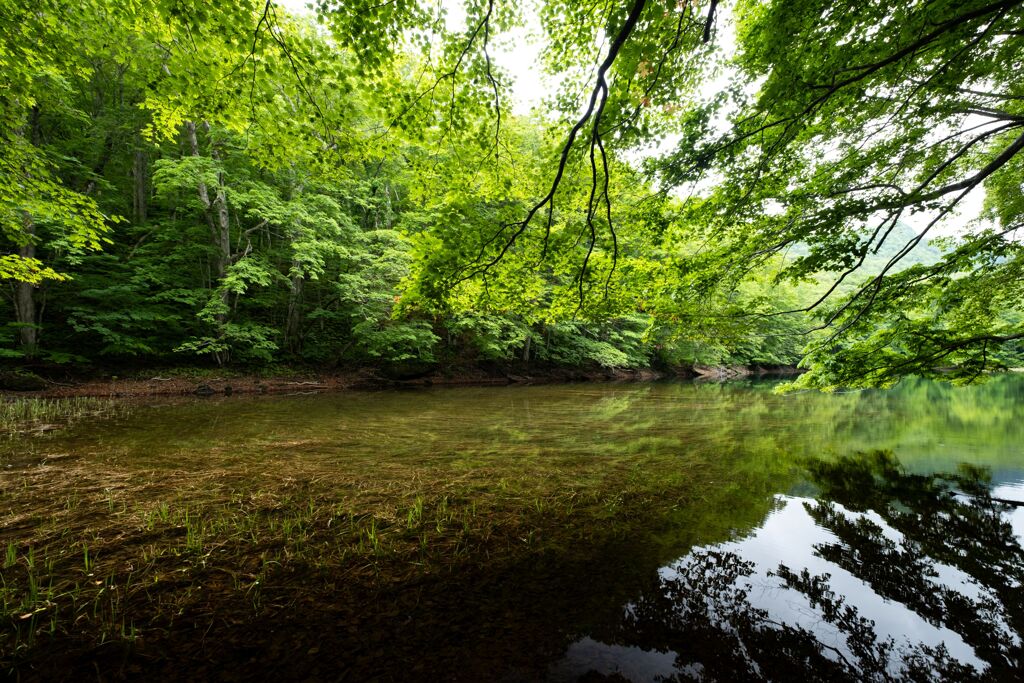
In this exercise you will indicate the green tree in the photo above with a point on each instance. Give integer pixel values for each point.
(836, 123)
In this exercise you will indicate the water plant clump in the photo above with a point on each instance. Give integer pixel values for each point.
(19, 416)
(108, 558)
(469, 520)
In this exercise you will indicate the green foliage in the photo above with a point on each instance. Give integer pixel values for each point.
(842, 123)
(493, 337)
(396, 341)
(185, 182)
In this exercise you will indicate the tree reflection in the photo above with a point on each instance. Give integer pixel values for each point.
(904, 535)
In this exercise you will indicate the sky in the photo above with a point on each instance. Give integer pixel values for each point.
(517, 53)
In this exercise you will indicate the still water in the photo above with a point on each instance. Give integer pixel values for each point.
(873, 535)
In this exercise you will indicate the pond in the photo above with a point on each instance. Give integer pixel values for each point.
(589, 532)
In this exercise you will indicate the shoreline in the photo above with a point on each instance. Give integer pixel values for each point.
(179, 382)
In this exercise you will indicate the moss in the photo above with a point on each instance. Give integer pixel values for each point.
(21, 380)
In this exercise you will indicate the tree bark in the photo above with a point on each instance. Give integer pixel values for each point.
(215, 210)
(293, 324)
(25, 296)
(106, 152)
(209, 209)
(292, 332)
(219, 219)
(140, 186)
(222, 236)
(25, 310)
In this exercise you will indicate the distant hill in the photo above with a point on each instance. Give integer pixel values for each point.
(924, 253)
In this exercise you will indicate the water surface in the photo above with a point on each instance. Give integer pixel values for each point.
(669, 531)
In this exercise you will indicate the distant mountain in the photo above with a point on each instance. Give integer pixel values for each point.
(901, 235)
(924, 253)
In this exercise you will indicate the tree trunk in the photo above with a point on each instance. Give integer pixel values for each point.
(215, 210)
(219, 220)
(292, 332)
(204, 195)
(25, 311)
(106, 152)
(526, 347)
(293, 324)
(222, 235)
(140, 186)
(25, 297)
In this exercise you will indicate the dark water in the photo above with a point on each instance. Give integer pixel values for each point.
(860, 536)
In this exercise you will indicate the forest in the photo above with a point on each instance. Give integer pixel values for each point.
(297, 298)
(262, 185)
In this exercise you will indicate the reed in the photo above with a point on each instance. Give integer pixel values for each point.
(21, 415)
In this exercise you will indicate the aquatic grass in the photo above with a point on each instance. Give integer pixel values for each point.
(87, 564)
(414, 518)
(153, 556)
(21, 415)
(246, 535)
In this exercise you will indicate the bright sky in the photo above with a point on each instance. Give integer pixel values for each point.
(517, 53)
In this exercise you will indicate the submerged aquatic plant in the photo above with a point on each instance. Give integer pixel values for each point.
(23, 415)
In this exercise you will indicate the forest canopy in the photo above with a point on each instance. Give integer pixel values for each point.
(753, 182)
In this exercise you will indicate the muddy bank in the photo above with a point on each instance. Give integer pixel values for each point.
(723, 372)
(182, 382)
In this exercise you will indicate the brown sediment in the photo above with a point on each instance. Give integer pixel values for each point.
(298, 566)
(305, 381)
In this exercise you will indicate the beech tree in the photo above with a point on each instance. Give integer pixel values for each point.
(837, 122)
(803, 136)
(845, 120)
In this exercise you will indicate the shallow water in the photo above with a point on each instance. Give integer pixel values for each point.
(769, 566)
